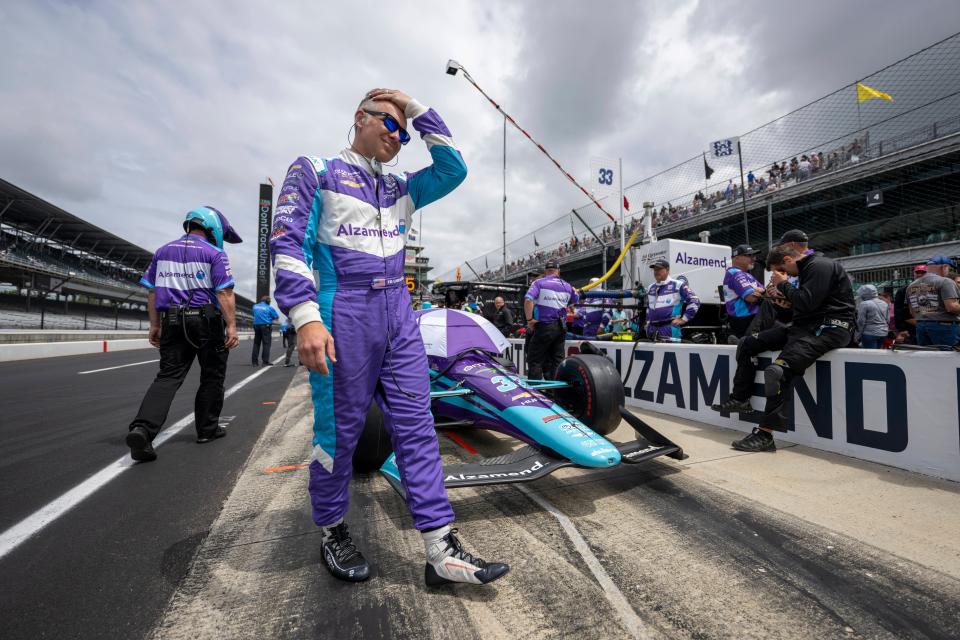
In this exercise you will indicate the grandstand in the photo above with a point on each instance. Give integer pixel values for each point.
(58, 271)
(880, 192)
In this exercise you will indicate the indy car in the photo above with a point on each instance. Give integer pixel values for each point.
(561, 423)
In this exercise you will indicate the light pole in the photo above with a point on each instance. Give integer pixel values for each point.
(452, 68)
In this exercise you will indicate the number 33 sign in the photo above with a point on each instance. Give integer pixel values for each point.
(603, 176)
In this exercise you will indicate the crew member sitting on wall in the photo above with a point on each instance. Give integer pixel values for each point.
(823, 319)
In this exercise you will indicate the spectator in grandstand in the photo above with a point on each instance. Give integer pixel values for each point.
(288, 335)
(741, 291)
(855, 150)
(263, 317)
(872, 318)
(935, 304)
(774, 173)
(833, 162)
(671, 304)
(750, 179)
(823, 319)
(545, 308)
(191, 308)
(803, 168)
(502, 317)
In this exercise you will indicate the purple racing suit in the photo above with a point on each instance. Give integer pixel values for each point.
(338, 251)
(666, 301)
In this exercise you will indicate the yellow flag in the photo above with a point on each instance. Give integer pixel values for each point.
(865, 93)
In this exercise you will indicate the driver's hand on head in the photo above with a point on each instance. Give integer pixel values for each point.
(314, 346)
(395, 96)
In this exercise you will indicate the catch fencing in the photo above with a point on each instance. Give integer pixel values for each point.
(825, 153)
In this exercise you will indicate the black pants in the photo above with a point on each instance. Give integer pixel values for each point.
(176, 356)
(262, 335)
(739, 326)
(291, 345)
(799, 348)
(545, 350)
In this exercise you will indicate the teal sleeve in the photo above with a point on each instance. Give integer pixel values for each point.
(443, 176)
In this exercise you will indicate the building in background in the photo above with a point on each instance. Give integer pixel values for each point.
(415, 268)
(58, 271)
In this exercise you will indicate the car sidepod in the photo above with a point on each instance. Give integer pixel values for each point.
(496, 398)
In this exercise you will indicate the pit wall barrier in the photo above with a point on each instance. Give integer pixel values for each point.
(34, 350)
(896, 408)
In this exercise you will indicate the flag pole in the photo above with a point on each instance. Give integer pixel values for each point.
(504, 197)
(743, 193)
(705, 179)
(856, 95)
(623, 238)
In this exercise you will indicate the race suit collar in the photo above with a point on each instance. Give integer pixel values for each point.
(370, 165)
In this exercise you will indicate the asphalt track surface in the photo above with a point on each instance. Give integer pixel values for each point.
(685, 558)
(198, 545)
(107, 567)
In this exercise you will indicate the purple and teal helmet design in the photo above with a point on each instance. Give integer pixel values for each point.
(214, 223)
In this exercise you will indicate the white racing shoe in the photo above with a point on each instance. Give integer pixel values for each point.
(448, 562)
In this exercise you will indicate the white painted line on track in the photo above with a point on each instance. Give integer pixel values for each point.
(119, 366)
(18, 533)
(628, 617)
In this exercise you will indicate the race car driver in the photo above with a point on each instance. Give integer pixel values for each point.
(338, 250)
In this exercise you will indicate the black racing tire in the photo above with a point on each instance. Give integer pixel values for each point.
(595, 394)
(373, 447)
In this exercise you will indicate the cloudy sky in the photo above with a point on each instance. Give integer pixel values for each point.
(128, 114)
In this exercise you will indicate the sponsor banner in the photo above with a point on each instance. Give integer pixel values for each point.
(264, 222)
(895, 408)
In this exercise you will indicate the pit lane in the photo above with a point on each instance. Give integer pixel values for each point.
(796, 544)
(108, 566)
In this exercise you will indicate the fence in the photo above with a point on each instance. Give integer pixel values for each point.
(812, 147)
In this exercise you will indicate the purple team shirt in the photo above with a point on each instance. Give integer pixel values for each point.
(187, 272)
(551, 295)
(737, 285)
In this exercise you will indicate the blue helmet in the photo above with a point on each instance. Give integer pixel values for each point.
(210, 221)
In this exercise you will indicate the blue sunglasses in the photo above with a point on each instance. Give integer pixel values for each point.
(391, 124)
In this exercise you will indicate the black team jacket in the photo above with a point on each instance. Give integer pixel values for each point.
(824, 294)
